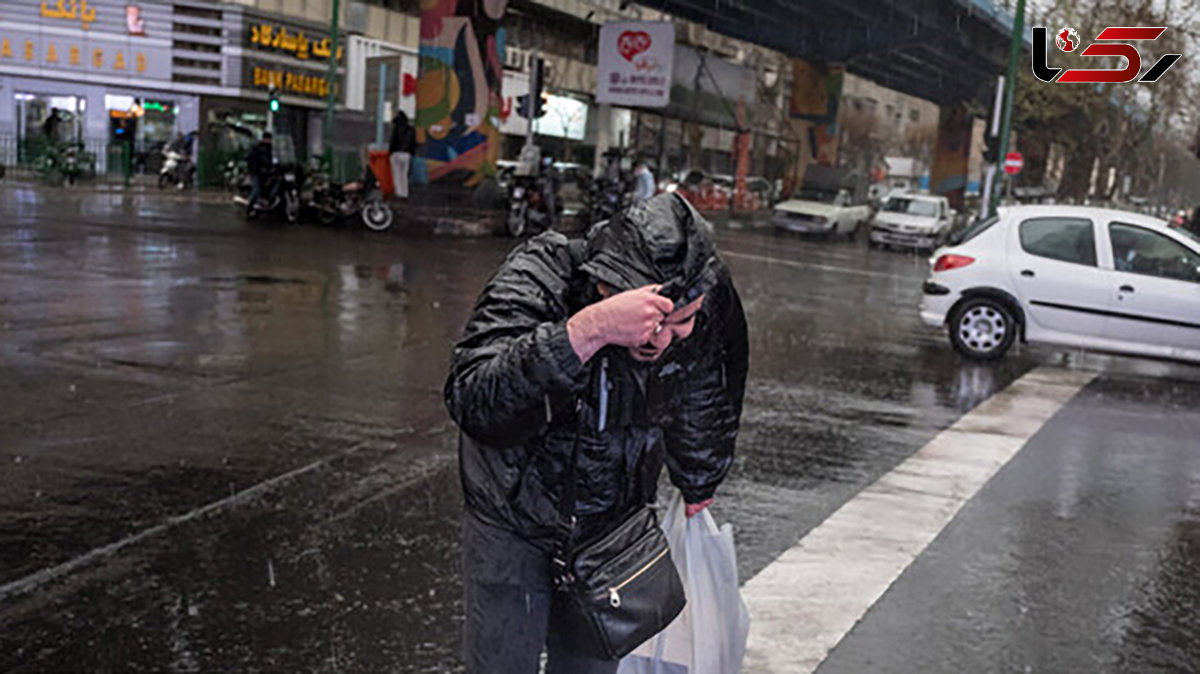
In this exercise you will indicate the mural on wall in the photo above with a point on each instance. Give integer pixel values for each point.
(458, 88)
(816, 94)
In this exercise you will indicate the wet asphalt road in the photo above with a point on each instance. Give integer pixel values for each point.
(223, 447)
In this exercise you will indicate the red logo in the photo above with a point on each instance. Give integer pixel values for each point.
(633, 42)
(1068, 41)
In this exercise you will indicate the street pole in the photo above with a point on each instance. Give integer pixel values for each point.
(270, 112)
(535, 87)
(331, 100)
(993, 131)
(380, 106)
(1010, 80)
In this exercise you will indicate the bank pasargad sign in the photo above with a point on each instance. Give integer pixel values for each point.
(67, 38)
(635, 63)
(291, 59)
(266, 36)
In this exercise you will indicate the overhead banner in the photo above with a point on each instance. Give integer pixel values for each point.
(635, 63)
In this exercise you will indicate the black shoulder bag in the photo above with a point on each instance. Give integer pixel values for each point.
(621, 589)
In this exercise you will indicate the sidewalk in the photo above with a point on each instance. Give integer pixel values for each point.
(429, 211)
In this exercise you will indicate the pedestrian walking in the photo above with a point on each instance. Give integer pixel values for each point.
(586, 366)
(644, 186)
(401, 147)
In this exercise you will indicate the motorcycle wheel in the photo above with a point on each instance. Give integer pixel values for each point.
(164, 181)
(327, 214)
(516, 222)
(291, 207)
(377, 215)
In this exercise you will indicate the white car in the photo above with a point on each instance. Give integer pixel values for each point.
(1068, 275)
(821, 211)
(912, 221)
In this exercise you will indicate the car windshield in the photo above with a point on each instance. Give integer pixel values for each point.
(920, 207)
(814, 194)
(972, 230)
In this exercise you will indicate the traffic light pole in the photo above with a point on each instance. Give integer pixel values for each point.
(271, 108)
(331, 100)
(1010, 81)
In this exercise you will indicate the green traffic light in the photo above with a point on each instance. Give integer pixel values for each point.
(274, 105)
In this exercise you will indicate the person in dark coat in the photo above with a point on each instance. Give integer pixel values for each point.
(523, 383)
(401, 147)
(258, 165)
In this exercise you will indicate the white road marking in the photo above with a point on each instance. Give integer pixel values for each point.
(810, 266)
(38, 578)
(809, 598)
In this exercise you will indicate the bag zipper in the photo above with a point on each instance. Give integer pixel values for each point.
(614, 594)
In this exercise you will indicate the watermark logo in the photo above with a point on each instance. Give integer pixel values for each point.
(1120, 37)
(1067, 40)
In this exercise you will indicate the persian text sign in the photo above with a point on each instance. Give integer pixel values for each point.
(635, 63)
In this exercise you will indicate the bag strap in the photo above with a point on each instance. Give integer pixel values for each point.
(564, 525)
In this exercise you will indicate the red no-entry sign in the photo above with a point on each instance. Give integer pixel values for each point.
(1013, 162)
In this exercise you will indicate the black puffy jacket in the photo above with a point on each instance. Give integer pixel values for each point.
(520, 395)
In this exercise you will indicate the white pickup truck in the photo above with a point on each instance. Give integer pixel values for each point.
(912, 221)
(830, 201)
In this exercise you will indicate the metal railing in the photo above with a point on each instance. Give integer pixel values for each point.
(95, 160)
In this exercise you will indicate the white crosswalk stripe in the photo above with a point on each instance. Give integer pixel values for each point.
(808, 599)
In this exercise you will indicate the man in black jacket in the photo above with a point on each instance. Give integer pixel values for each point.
(577, 338)
(258, 165)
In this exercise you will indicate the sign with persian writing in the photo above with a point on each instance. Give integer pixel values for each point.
(635, 63)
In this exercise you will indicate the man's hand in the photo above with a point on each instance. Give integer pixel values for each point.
(693, 509)
(626, 319)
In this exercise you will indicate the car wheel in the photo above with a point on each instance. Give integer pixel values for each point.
(982, 328)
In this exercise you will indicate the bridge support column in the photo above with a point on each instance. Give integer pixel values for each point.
(952, 154)
(816, 93)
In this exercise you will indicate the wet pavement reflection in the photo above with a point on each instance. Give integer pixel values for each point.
(250, 416)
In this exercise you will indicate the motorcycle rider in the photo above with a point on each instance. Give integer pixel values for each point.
(182, 146)
(259, 163)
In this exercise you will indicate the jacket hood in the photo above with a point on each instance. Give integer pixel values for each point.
(661, 240)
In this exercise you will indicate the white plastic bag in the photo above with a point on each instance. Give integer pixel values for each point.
(709, 636)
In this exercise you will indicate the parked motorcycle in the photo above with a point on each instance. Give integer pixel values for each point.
(177, 169)
(605, 198)
(280, 194)
(65, 162)
(236, 176)
(335, 202)
(528, 212)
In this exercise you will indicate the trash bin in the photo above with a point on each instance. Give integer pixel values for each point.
(381, 166)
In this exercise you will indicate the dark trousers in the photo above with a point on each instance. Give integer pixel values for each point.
(511, 606)
(256, 185)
